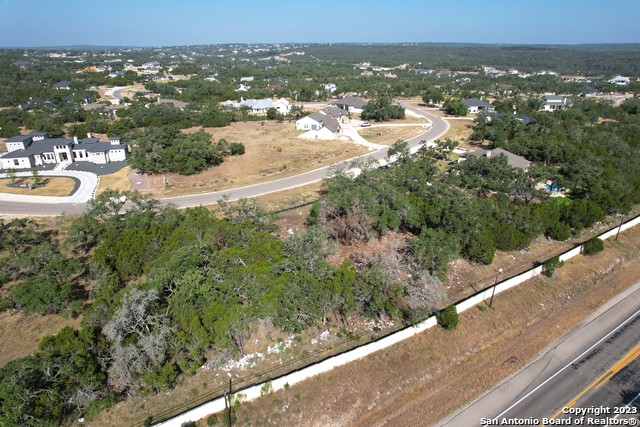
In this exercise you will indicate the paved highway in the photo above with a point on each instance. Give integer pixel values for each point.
(592, 372)
(438, 127)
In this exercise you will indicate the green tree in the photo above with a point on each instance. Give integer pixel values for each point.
(448, 318)
(593, 246)
(456, 108)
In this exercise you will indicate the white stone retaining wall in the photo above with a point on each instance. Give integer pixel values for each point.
(254, 392)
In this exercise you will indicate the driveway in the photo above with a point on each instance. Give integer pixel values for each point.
(17, 204)
(76, 202)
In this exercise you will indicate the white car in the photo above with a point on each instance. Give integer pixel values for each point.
(365, 124)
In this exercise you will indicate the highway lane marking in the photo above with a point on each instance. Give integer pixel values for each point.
(602, 379)
(568, 365)
(625, 407)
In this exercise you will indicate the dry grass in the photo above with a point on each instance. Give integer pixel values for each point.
(461, 130)
(115, 181)
(390, 135)
(20, 334)
(272, 151)
(421, 383)
(54, 186)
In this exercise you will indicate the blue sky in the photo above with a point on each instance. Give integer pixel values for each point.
(26, 23)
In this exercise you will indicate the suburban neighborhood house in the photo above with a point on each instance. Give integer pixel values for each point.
(324, 124)
(555, 102)
(475, 106)
(351, 104)
(620, 80)
(513, 160)
(260, 106)
(65, 84)
(35, 149)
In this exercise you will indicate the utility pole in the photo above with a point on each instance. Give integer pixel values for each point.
(494, 286)
(229, 407)
(620, 227)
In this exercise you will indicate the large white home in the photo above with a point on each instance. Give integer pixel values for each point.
(620, 80)
(555, 102)
(324, 124)
(260, 106)
(35, 149)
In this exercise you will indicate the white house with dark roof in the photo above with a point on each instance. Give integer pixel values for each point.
(65, 84)
(352, 104)
(620, 80)
(325, 124)
(475, 106)
(35, 149)
(260, 106)
(555, 102)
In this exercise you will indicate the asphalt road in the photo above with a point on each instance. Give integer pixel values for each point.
(595, 367)
(438, 128)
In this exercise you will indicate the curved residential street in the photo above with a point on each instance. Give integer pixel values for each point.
(76, 204)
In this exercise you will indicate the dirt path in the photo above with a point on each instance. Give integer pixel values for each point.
(423, 379)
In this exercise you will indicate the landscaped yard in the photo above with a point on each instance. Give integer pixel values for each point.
(272, 151)
(53, 186)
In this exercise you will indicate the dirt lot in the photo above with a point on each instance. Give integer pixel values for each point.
(461, 130)
(54, 186)
(390, 135)
(20, 334)
(421, 382)
(272, 151)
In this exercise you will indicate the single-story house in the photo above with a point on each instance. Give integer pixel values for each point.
(151, 65)
(620, 80)
(260, 106)
(475, 106)
(513, 160)
(555, 102)
(178, 104)
(78, 97)
(35, 149)
(324, 124)
(65, 84)
(35, 103)
(352, 104)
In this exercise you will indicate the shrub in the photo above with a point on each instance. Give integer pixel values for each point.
(559, 231)
(212, 420)
(236, 148)
(550, 265)
(448, 318)
(593, 246)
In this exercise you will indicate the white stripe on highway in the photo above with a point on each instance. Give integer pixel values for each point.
(625, 407)
(566, 366)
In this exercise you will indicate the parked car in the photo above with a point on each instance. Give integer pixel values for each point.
(365, 124)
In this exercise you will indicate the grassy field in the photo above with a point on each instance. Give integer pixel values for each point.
(272, 151)
(54, 186)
